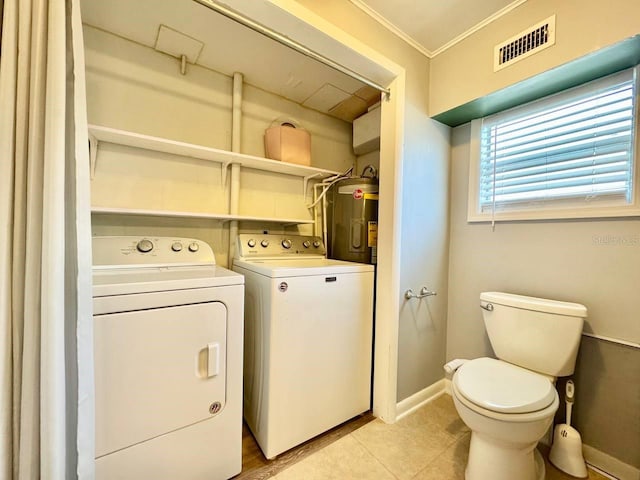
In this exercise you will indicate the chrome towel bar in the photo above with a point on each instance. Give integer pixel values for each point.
(424, 292)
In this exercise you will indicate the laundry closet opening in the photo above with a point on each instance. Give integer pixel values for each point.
(134, 58)
(180, 100)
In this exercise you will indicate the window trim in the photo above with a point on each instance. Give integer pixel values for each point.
(596, 208)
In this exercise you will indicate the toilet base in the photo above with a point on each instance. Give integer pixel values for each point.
(489, 460)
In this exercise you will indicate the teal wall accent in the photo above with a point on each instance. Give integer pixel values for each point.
(606, 61)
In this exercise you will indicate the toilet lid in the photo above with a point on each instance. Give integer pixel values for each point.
(502, 387)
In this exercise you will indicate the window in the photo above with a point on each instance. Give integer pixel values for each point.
(569, 155)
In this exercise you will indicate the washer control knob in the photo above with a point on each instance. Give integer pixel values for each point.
(316, 243)
(306, 244)
(194, 247)
(251, 243)
(264, 243)
(176, 247)
(144, 246)
(286, 243)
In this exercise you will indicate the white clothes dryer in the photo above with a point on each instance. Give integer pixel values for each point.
(308, 338)
(168, 360)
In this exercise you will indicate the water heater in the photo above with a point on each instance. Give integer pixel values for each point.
(352, 220)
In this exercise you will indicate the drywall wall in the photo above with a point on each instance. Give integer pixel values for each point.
(134, 88)
(464, 72)
(424, 231)
(593, 262)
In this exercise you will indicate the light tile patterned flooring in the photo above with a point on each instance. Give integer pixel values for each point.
(430, 444)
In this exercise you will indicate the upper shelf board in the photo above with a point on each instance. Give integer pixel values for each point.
(225, 157)
(224, 217)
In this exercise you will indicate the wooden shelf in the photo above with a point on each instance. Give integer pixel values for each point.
(225, 217)
(224, 157)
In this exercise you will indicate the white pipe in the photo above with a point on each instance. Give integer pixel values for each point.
(325, 233)
(325, 184)
(234, 184)
(236, 112)
(318, 227)
(315, 211)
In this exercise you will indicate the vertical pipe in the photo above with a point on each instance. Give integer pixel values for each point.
(315, 210)
(234, 184)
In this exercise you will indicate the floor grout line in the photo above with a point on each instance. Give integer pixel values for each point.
(373, 455)
(444, 451)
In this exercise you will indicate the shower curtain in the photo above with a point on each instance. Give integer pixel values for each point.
(46, 364)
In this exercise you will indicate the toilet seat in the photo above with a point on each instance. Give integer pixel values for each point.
(503, 388)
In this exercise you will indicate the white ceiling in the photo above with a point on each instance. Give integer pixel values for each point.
(433, 25)
(215, 42)
(222, 45)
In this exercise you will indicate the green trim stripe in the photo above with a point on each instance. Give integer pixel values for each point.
(606, 61)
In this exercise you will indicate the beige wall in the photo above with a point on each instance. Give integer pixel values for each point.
(594, 262)
(465, 71)
(563, 260)
(424, 235)
(132, 87)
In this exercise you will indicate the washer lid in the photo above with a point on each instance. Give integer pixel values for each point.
(502, 387)
(301, 267)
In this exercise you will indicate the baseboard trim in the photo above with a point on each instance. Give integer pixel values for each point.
(447, 386)
(609, 465)
(418, 399)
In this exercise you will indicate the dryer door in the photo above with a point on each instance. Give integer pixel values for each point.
(156, 371)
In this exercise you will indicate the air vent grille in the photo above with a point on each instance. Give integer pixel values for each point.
(526, 43)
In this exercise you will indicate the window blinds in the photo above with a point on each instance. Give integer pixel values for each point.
(577, 146)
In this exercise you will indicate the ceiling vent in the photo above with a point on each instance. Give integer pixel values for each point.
(532, 40)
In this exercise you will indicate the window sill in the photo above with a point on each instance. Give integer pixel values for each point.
(557, 214)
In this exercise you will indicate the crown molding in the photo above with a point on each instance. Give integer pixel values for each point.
(391, 27)
(421, 48)
(503, 11)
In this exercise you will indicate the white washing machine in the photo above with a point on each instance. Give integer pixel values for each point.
(308, 338)
(168, 360)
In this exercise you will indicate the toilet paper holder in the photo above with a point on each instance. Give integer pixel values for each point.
(424, 292)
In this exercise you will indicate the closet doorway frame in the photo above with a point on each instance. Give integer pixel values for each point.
(293, 20)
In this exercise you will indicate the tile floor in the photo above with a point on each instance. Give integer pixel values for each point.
(430, 444)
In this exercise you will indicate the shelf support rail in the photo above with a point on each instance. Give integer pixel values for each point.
(224, 172)
(93, 155)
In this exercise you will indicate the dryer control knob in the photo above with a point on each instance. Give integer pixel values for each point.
(144, 246)
(316, 243)
(286, 243)
(306, 244)
(194, 247)
(176, 247)
(251, 243)
(264, 243)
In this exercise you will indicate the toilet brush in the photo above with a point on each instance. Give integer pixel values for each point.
(566, 451)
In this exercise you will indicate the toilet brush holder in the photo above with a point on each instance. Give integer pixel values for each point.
(566, 450)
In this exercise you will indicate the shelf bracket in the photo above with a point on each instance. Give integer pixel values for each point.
(93, 155)
(306, 182)
(224, 172)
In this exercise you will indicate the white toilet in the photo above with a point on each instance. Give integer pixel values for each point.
(509, 403)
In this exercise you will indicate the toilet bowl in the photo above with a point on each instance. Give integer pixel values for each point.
(509, 402)
(508, 410)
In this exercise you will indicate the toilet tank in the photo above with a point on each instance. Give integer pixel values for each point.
(534, 333)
